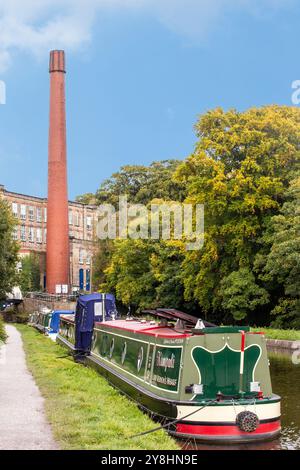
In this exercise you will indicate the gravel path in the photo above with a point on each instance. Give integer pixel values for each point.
(23, 424)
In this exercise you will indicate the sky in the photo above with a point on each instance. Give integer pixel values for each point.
(139, 74)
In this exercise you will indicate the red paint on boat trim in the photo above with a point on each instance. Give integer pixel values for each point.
(144, 329)
(226, 431)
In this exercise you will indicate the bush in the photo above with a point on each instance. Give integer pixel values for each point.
(2, 331)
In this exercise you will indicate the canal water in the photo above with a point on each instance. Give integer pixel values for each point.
(286, 383)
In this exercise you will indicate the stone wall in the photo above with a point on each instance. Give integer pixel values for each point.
(31, 305)
(283, 344)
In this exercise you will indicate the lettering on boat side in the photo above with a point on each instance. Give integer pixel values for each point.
(173, 341)
(165, 362)
(166, 368)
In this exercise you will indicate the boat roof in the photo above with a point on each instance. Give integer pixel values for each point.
(63, 312)
(146, 328)
(95, 297)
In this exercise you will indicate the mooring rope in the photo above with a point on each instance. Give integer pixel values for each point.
(175, 421)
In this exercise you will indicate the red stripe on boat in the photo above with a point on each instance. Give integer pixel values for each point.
(233, 430)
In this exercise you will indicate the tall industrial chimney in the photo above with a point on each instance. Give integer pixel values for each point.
(58, 258)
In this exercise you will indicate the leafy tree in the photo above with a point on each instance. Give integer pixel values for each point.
(241, 295)
(129, 274)
(8, 250)
(87, 198)
(240, 168)
(29, 277)
(101, 262)
(280, 268)
(141, 184)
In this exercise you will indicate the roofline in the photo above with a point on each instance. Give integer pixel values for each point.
(44, 199)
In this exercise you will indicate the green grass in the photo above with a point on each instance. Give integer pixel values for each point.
(84, 410)
(272, 333)
(2, 331)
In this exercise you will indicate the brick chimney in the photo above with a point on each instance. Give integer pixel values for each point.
(58, 259)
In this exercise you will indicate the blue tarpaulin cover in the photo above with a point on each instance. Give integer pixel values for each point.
(54, 324)
(89, 309)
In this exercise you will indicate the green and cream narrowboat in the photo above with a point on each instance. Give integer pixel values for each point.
(211, 383)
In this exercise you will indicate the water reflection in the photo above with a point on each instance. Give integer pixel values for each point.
(286, 383)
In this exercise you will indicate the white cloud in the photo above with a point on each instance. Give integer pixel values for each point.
(36, 26)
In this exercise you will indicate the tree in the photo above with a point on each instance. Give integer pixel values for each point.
(129, 274)
(29, 277)
(8, 250)
(240, 169)
(87, 198)
(280, 267)
(241, 295)
(141, 184)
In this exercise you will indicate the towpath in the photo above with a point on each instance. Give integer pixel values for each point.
(23, 424)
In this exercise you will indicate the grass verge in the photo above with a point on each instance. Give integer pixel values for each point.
(84, 410)
(271, 333)
(2, 331)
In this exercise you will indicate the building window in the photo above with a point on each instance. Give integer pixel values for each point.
(23, 233)
(45, 214)
(88, 259)
(45, 235)
(70, 218)
(14, 207)
(23, 212)
(39, 214)
(31, 234)
(89, 222)
(15, 234)
(31, 213)
(39, 235)
(76, 219)
(81, 279)
(81, 256)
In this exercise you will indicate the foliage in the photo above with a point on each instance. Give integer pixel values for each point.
(141, 184)
(88, 198)
(281, 266)
(29, 277)
(240, 169)
(131, 261)
(2, 331)
(8, 250)
(245, 170)
(271, 333)
(85, 412)
(240, 294)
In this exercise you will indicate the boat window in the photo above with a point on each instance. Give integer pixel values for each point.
(140, 358)
(98, 309)
(112, 347)
(124, 351)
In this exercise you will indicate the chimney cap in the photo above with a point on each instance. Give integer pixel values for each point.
(57, 61)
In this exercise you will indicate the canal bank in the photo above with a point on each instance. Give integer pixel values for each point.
(283, 344)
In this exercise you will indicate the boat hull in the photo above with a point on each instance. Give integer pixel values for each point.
(203, 422)
(158, 367)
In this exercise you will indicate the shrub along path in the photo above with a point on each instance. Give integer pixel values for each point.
(23, 424)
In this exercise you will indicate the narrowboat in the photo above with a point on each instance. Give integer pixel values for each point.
(210, 383)
(47, 321)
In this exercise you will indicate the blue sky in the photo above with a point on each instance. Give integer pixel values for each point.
(139, 72)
